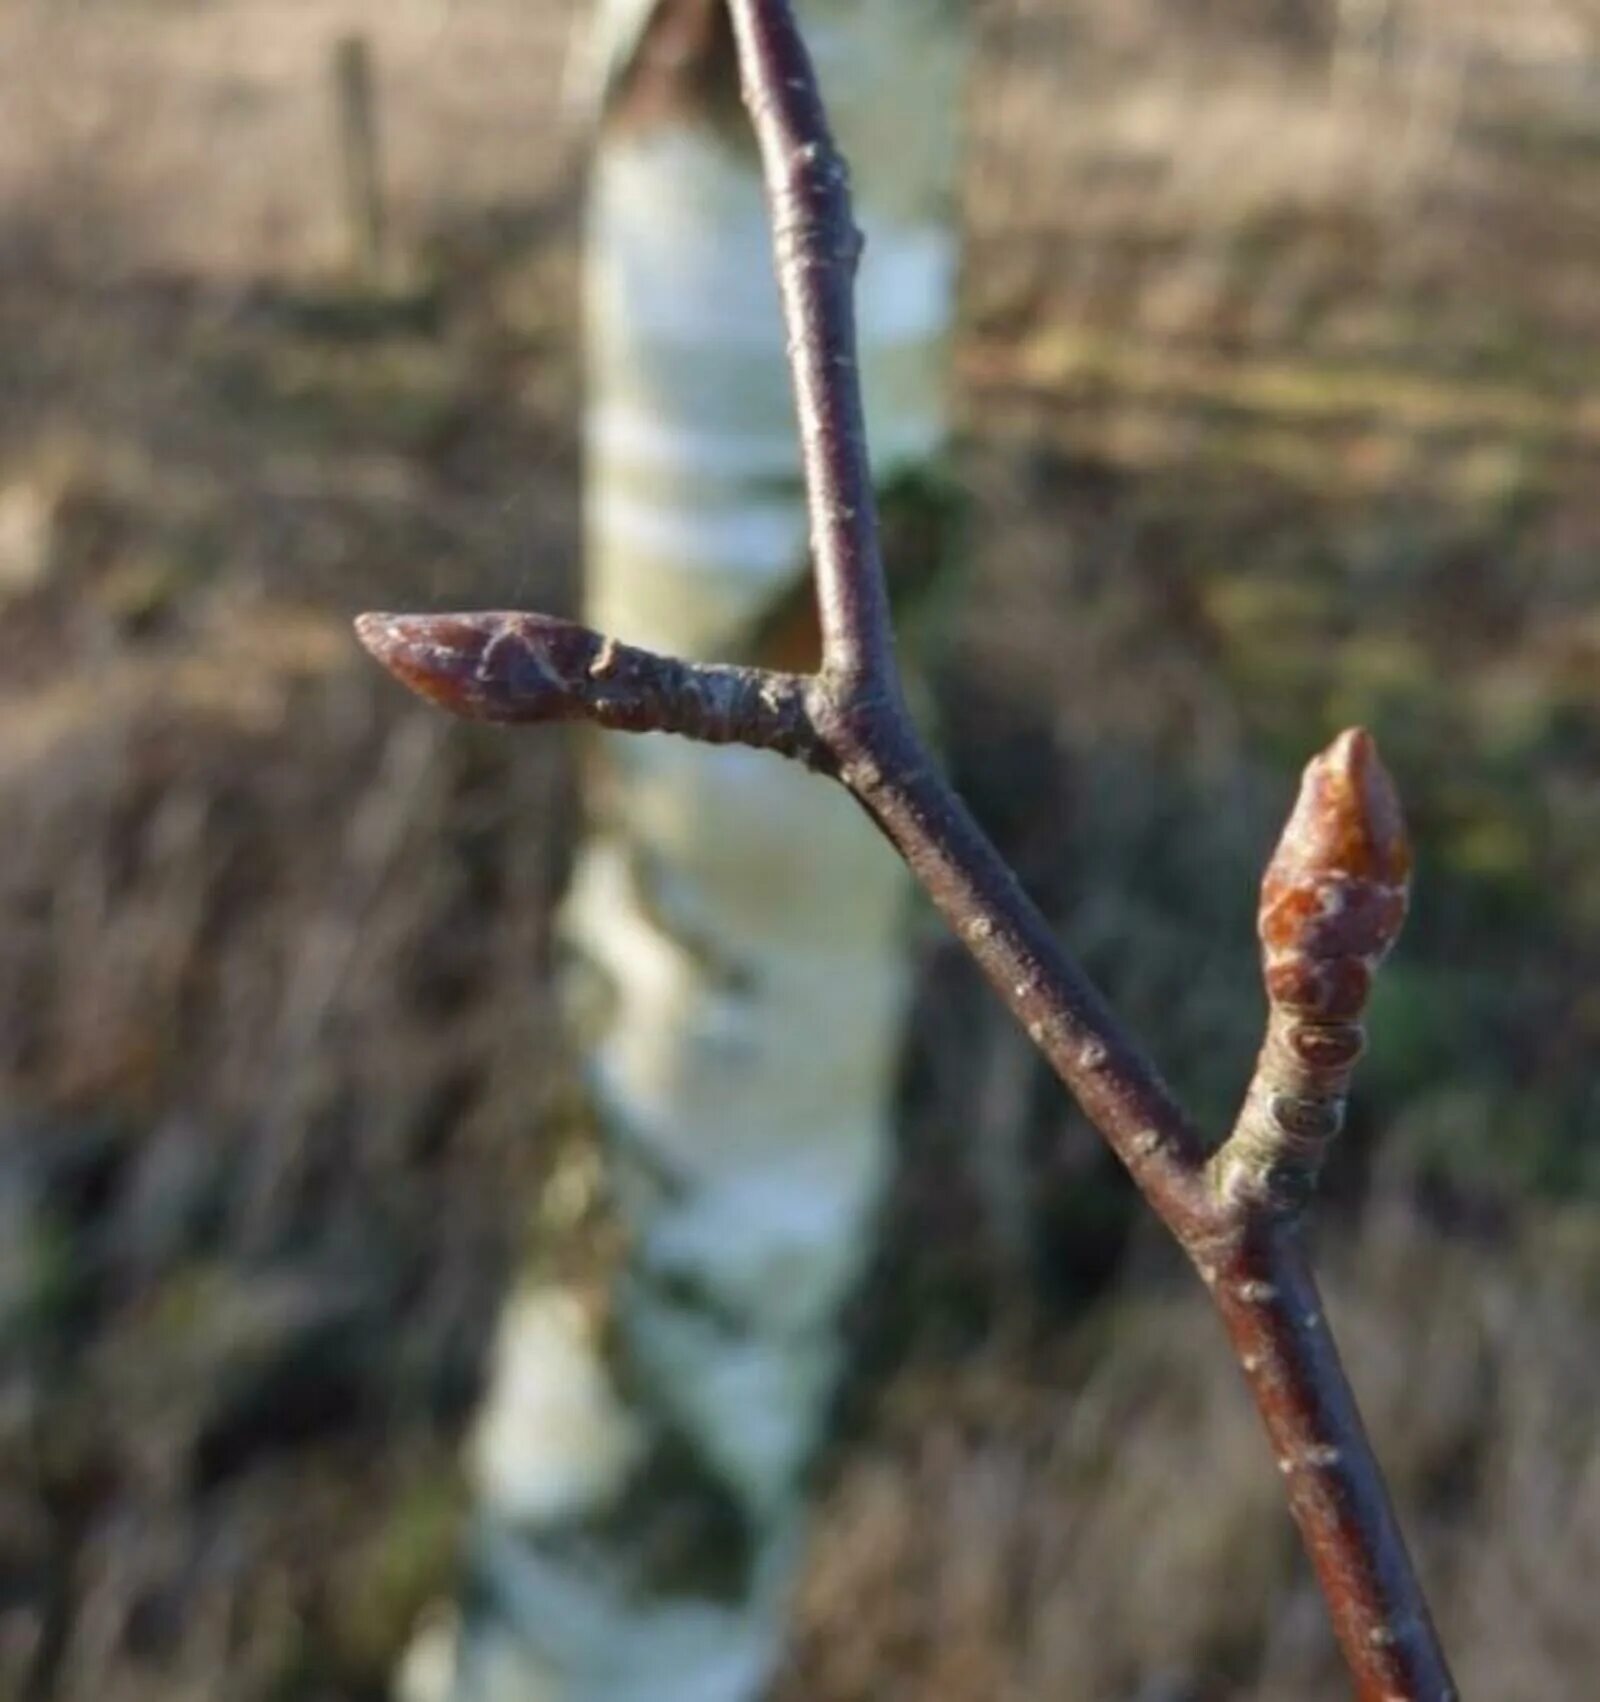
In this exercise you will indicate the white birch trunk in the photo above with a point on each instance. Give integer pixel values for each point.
(639, 1482)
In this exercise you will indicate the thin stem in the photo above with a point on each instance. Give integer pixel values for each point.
(882, 761)
(1280, 1333)
(818, 249)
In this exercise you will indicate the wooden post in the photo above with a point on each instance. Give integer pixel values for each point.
(360, 161)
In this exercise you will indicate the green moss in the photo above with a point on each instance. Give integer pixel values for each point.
(46, 1284)
(410, 1561)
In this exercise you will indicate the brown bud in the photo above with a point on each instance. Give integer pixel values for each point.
(498, 666)
(1319, 989)
(1332, 902)
(1336, 887)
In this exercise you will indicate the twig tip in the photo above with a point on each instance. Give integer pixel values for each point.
(1347, 820)
(446, 660)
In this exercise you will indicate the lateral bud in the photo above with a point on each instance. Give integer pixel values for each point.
(1333, 901)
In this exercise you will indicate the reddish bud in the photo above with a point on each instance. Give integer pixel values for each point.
(499, 666)
(1335, 892)
(1346, 822)
(1332, 903)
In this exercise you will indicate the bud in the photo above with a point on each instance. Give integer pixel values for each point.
(1335, 891)
(497, 666)
(1332, 903)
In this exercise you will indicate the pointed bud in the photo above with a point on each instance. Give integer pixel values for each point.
(506, 667)
(1335, 893)
(1332, 902)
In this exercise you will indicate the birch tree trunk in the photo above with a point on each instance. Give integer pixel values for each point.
(740, 927)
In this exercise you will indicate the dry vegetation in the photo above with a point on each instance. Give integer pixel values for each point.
(1281, 399)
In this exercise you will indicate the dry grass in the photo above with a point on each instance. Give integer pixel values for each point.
(1094, 1517)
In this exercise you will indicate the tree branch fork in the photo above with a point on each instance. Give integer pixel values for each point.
(515, 668)
(1333, 897)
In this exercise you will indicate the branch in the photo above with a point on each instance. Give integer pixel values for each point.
(818, 249)
(1333, 899)
(514, 669)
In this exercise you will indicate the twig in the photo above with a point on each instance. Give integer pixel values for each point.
(515, 668)
(1333, 900)
(817, 247)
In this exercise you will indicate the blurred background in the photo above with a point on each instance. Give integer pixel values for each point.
(1280, 385)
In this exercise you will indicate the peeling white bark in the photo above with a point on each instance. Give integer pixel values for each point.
(743, 920)
(548, 1382)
